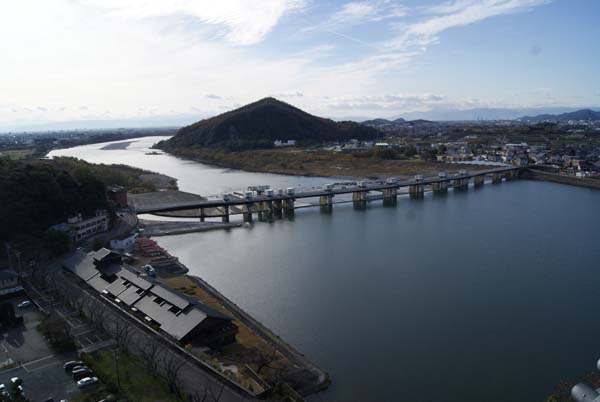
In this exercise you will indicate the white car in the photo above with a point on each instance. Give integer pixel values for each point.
(24, 304)
(87, 381)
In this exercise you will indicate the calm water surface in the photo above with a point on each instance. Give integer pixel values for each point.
(487, 295)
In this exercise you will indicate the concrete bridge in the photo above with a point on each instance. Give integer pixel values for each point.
(269, 203)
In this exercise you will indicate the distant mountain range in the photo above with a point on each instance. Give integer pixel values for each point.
(382, 122)
(488, 114)
(259, 124)
(484, 113)
(584, 114)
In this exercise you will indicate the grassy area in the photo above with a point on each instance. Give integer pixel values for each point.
(17, 154)
(318, 163)
(249, 349)
(137, 384)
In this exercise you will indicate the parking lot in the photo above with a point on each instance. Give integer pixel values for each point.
(35, 363)
(24, 353)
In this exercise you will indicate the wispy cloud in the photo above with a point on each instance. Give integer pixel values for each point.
(361, 12)
(245, 22)
(357, 13)
(455, 14)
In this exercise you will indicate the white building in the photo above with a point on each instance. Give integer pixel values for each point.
(79, 228)
(124, 244)
(288, 143)
(84, 228)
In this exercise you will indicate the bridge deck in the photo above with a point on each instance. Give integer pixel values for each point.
(176, 203)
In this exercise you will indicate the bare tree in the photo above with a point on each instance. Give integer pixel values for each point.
(265, 359)
(171, 365)
(97, 315)
(210, 393)
(150, 352)
(121, 331)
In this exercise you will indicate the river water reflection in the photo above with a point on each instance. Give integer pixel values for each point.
(484, 295)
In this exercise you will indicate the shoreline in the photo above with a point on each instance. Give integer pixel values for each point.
(538, 175)
(171, 228)
(323, 379)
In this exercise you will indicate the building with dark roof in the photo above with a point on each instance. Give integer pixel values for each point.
(166, 310)
(9, 282)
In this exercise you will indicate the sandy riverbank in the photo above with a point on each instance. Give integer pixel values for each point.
(165, 228)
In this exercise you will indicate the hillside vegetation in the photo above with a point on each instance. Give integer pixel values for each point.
(36, 195)
(259, 124)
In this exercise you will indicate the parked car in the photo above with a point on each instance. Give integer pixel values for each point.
(79, 367)
(87, 381)
(73, 363)
(81, 374)
(49, 400)
(16, 380)
(24, 304)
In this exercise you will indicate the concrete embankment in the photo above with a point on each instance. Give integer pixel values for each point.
(320, 380)
(533, 174)
(163, 228)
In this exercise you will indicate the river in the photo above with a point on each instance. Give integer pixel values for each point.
(484, 295)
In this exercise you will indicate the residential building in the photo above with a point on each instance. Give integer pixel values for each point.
(79, 228)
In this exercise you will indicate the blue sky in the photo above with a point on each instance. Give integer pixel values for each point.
(80, 60)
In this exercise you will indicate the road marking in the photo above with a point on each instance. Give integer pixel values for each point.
(38, 360)
(42, 367)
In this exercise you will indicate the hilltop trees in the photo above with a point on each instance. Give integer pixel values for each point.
(36, 195)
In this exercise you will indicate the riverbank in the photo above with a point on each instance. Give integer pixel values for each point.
(533, 174)
(166, 228)
(317, 163)
(256, 347)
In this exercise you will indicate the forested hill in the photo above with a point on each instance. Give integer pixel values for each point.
(259, 124)
(36, 195)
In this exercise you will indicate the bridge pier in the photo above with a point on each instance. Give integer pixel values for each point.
(390, 193)
(202, 216)
(359, 199)
(479, 180)
(247, 212)
(497, 177)
(288, 207)
(416, 190)
(269, 209)
(277, 208)
(390, 197)
(440, 186)
(225, 217)
(460, 183)
(326, 203)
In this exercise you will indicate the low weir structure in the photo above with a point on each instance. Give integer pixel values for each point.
(267, 203)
